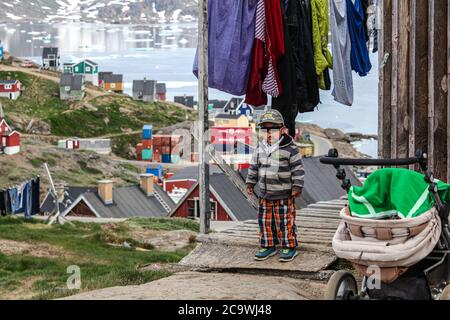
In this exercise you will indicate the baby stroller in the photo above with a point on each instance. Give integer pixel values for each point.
(419, 266)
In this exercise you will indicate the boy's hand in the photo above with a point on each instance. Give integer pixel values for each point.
(296, 192)
(250, 190)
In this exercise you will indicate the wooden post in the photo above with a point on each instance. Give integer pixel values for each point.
(437, 112)
(402, 126)
(205, 212)
(394, 87)
(385, 74)
(418, 84)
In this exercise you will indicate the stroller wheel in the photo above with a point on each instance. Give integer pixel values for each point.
(341, 286)
(446, 293)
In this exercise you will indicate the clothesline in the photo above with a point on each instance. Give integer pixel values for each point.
(23, 198)
(262, 48)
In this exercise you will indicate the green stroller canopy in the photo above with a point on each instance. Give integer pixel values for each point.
(394, 192)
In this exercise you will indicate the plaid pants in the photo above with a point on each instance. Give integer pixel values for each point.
(276, 219)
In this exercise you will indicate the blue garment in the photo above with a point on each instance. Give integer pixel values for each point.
(15, 201)
(359, 54)
(27, 194)
(231, 36)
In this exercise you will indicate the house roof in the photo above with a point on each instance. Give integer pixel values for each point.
(49, 50)
(71, 194)
(161, 88)
(321, 183)
(191, 173)
(128, 202)
(102, 74)
(75, 82)
(91, 62)
(229, 116)
(233, 104)
(218, 104)
(147, 87)
(112, 78)
(8, 81)
(6, 123)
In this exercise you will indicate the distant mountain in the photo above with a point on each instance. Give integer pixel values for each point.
(112, 11)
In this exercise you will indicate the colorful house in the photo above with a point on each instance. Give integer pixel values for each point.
(50, 58)
(9, 139)
(101, 76)
(71, 87)
(231, 121)
(10, 89)
(144, 90)
(161, 92)
(86, 68)
(112, 82)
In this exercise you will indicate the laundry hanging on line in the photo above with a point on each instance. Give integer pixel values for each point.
(21, 199)
(279, 48)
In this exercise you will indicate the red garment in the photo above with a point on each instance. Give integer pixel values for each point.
(267, 50)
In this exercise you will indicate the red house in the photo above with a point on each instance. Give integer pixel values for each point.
(4, 127)
(10, 89)
(10, 142)
(228, 203)
(161, 92)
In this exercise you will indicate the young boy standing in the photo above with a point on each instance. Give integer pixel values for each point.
(277, 167)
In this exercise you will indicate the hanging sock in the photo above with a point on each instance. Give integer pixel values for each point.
(359, 53)
(341, 43)
(322, 56)
(231, 36)
(267, 51)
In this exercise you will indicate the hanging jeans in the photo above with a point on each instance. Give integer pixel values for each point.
(276, 219)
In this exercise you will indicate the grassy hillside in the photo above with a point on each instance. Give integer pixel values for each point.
(34, 257)
(105, 115)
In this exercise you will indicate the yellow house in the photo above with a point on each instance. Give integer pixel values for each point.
(231, 120)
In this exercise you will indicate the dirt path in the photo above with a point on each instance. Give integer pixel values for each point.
(213, 286)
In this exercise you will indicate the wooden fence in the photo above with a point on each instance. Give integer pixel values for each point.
(413, 88)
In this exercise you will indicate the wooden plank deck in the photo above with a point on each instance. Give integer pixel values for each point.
(233, 249)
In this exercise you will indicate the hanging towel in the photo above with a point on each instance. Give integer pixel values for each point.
(359, 53)
(341, 43)
(268, 49)
(231, 36)
(394, 192)
(322, 56)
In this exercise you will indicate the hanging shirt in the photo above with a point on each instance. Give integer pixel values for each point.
(268, 49)
(322, 56)
(341, 43)
(231, 35)
(359, 53)
(3, 202)
(305, 96)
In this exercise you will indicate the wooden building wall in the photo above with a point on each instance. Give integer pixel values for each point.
(413, 88)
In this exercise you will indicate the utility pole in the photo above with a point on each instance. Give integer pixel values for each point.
(205, 211)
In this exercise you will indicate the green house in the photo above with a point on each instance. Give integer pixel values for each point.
(87, 68)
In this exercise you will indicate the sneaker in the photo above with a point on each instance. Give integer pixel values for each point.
(288, 255)
(265, 253)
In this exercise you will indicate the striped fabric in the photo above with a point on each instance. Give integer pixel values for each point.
(276, 221)
(270, 84)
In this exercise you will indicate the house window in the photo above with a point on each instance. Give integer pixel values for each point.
(113, 85)
(8, 86)
(77, 69)
(194, 209)
(88, 69)
(67, 89)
